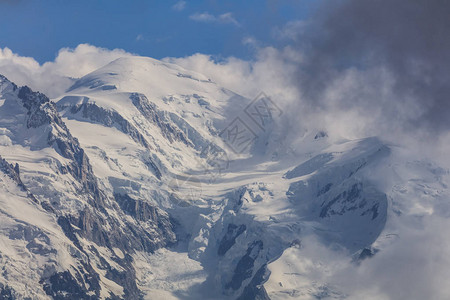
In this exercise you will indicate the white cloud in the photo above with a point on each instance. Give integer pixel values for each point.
(270, 71)
(358, 103)
(53, 78)
(355, 104)
(205, 17)
(179, 6)
(228, 18)
(139, 37)
(414, 266)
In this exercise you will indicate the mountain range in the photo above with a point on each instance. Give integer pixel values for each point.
(145, 180)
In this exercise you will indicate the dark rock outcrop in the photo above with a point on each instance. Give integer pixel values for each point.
(255, 289)
(63, 286)
(150, 112)
(109, 118)
(244, 268)
(229, 239)
(6, 292)
(41, 111)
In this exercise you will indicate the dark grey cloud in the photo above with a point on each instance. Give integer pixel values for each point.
(407, 41)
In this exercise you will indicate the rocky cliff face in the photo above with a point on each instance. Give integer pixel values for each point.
(108, 118)
(41, 112)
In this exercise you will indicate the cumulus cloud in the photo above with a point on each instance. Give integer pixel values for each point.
(270, 71)
(205, 17)
(357, 68)
(53, 78)
(414, 266)
(382, 58)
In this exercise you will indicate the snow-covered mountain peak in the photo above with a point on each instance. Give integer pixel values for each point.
(135, 73)
(6, 86)
(161, 106)
(169, 87)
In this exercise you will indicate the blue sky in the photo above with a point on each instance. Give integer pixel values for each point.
(151, 28)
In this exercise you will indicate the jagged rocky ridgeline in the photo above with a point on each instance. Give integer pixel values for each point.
(101, 231)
